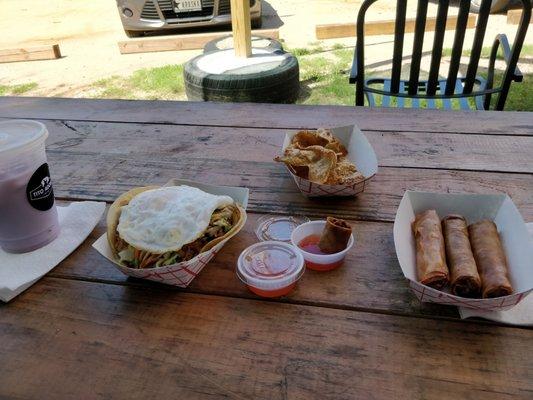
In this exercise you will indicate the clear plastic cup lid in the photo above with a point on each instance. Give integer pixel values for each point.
(270, 265)
(19, 133)
(278, 228)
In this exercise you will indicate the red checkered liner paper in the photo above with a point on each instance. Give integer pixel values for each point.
(180, 274)
(360, 152)
(312, 189)
(430, 295)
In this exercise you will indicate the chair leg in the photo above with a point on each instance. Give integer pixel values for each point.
(386, 99)
(401, 100)
(463, 102)
(446, 103)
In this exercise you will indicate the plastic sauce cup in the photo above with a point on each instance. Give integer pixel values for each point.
(28, 216)
(270, 269)
(318, 262)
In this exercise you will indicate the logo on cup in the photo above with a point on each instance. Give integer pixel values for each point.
(39, 190)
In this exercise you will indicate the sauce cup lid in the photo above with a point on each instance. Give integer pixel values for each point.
(278, 227)
(270, 265)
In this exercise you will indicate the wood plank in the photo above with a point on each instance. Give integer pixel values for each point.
(514, 16)
(181, 42)
(370, 279)
(34, 53)
(115, 150)
(271, 187)
(137, 343)
(393, 149)
(384, 27)
(281, 116)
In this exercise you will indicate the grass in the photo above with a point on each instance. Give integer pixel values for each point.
(323, 74)
(150, 83)
(527, 50)
(16, 90)
(306, 51)
(325, 81)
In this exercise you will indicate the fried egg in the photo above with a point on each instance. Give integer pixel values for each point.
(167, 218)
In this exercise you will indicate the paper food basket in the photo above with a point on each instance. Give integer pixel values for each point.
(360, 152)
(180, 274)
(474, 207)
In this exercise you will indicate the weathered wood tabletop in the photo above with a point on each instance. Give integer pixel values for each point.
(87, 331)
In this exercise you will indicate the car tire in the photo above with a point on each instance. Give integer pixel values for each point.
(263, 83)
(133, 34)
(497, 5)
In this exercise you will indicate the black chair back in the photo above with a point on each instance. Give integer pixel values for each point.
(431, 85)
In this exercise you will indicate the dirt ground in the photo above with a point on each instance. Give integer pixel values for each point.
(88, 31)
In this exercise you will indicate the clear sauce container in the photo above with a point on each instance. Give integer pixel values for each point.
(270, 269)
(28, 216)
(300, 239)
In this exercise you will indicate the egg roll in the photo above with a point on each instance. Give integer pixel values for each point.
(464, 277)
(335, 236)
(490, 259)
(430, 253)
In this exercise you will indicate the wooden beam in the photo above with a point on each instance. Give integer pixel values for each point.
(181, 42)
(330, 31)
(513, 17)
(49, 52)
(241, 26)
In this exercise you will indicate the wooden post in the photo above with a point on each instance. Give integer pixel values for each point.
(240, 20)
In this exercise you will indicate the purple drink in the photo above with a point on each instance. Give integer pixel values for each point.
(28, 216)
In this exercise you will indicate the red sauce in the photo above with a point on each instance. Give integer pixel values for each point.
(310, 244)
(273, 293)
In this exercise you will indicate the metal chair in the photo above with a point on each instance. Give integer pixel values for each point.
(454, 86)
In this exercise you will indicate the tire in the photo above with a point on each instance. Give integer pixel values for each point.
(133, 34)
(497, 5)
(279, 83)
(216, 45)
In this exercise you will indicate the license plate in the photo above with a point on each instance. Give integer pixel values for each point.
(187, 5)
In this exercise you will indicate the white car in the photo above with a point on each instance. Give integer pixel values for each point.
(140, 16)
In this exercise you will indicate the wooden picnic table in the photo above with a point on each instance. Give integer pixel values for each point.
(87, 331)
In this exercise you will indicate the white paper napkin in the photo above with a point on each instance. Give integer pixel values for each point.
(521, 314)
(19, 271)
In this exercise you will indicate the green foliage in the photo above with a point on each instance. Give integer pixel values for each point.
(305, 51)
(527, 50)
(149, 83)
(323, 73)
(299, 51)
(167, 79)
(16, 90)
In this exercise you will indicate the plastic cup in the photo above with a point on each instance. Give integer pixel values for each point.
(28, 216)
(318, 262)
(270, 269)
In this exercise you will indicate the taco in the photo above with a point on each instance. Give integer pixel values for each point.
(154, 226)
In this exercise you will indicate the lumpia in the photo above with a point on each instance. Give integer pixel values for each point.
(464, 277)
(430, 254)
(335, 236)
(490, 259)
